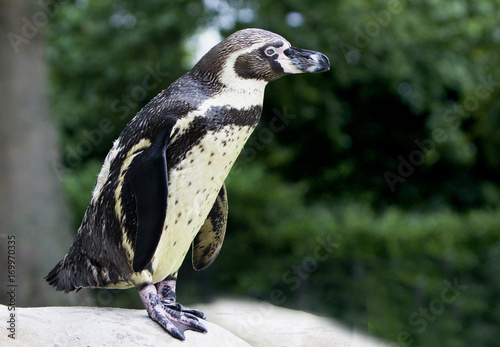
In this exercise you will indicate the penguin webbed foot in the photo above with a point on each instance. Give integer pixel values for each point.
(174, 321)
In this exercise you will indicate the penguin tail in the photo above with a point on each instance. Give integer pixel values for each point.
(76, 271)
(80, 269)
(61, 277)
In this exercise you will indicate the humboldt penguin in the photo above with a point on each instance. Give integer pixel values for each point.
(161, 187)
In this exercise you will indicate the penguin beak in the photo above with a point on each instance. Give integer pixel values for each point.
(300, 60)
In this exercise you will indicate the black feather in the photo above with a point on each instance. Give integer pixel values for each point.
(147, 176)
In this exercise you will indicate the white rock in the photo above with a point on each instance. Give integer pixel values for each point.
(262, 324)
(98, 326)
(232, 323)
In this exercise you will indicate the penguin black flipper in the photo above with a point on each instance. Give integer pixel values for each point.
(147, 177)
(208, 241)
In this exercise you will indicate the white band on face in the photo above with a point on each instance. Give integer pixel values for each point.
(284, 61)
(287, 67)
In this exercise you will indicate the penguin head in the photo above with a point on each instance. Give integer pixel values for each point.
(258, 55)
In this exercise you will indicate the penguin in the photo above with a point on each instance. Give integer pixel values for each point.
(161, 188)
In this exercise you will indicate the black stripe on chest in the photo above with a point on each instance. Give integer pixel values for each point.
(213, 121)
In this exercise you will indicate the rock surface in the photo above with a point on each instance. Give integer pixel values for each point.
(232, 323)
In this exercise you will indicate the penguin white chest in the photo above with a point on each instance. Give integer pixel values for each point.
(193, 186)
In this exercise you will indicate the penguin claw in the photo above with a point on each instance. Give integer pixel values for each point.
(188, 311)
(184, 321)
(166, 324)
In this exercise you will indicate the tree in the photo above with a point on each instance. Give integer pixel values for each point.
(33, 208)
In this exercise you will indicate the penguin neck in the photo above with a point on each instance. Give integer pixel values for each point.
(227, 80)
(233, 90)
(233, 83)
(242, 95)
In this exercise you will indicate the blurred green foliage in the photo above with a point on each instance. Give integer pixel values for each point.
(363, 193)
(386, 273)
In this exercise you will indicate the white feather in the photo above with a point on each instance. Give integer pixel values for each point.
(104, 173)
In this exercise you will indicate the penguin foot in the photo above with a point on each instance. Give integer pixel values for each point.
(174, 321)
(166, 291)
(179, 308)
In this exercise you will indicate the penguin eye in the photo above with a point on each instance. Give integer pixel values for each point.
(270, 51)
